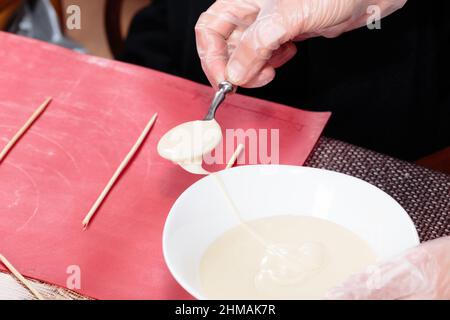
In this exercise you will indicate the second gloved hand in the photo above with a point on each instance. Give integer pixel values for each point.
(420, 273)
(243, 41)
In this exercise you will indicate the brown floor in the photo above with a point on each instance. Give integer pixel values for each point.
(439, 161)
(92, 34)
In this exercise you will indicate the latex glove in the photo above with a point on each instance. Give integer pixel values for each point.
(243, 41)
(420, 273)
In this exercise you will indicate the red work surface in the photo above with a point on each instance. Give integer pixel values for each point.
(56, 171)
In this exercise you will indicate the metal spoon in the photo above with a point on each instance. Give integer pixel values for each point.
(224, 88)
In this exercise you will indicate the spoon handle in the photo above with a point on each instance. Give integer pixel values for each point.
(224, 88)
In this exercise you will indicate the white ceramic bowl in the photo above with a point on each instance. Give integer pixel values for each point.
(201, 214)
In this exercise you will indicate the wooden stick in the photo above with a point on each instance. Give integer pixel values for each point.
(119, 170)
(24, 129)
(17, 274)
(235, 155)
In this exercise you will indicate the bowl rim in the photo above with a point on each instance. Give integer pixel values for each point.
(193, 292)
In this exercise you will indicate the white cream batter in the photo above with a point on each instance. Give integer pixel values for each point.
(186, 144)
(282, 257)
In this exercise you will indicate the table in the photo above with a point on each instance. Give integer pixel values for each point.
(423, 193)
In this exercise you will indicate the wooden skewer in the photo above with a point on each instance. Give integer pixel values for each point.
(24, 129)
(235, 155)
(17, 274)
(119, 170)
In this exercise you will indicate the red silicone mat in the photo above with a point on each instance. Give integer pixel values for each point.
(53, 175)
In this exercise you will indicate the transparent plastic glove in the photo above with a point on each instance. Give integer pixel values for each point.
(420, 273)
(243, 41)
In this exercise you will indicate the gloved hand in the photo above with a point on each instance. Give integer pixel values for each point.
(420, 273)
(243, 41)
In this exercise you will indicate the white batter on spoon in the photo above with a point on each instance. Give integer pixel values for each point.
(186, 144)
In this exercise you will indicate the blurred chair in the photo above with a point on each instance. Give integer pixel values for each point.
(9, 7)
(112, 19)
(7, 10)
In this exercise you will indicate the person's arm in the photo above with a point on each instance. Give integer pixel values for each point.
(243, 41)
(420, 273)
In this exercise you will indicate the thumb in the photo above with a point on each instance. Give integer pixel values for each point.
(255, 48)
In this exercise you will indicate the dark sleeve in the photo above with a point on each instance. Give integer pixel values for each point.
(147, 43)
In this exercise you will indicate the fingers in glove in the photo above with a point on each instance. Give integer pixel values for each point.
(212, 31)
